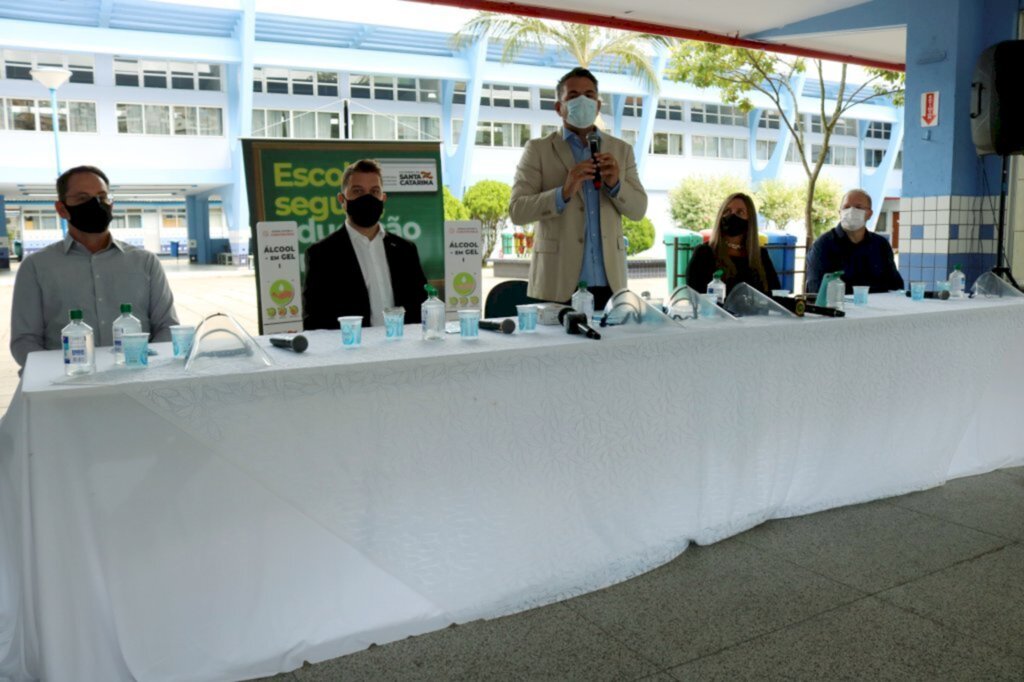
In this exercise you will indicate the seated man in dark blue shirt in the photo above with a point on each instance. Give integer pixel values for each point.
(864, 257)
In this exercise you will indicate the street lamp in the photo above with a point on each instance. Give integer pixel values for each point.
(52, 78)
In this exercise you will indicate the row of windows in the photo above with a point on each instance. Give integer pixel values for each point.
(127, 218)
(18, 65)
(36, 114)
(167, 75)
(277, 81)
(399, 89)
(296, 124)
(163, 119)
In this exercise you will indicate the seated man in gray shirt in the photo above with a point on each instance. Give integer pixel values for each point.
(88, 270)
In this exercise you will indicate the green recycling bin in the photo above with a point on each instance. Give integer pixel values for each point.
(16, 249)
(679, 247)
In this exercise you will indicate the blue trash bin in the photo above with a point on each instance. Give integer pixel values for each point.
(782, 251)
(175, 249)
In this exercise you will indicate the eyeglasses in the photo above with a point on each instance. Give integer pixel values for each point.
(83, 197)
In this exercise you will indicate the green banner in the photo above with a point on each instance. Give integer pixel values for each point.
(300, 179)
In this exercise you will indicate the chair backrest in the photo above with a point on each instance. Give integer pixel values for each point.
(504, 297)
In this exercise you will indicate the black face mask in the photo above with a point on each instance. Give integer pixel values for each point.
(733, 225)
(364, 211)
(93, 216)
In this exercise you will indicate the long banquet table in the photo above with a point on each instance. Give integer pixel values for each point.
(158, 526)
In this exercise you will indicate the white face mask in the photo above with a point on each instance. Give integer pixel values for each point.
(581, 112)
(852, 219)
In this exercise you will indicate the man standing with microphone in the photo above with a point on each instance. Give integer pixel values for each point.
(576, 184)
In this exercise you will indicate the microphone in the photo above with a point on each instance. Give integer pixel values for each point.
(797, 306)
(594, 139)
(823, 310)
(576, 323)
(941, 295)
(506, 326)
(296, 342)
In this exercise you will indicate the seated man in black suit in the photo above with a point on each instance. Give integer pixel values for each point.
(361, 269)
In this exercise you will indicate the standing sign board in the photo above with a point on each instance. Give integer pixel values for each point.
(299, 180)
(280, 284)
(462, 264)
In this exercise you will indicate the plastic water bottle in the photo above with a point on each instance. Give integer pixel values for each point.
(79, 347)
(432, 314)
(125, 324)
(836, 292)
(583, 301)
(956, 283)
(717, 287)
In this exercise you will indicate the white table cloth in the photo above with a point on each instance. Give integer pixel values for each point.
(163, 527)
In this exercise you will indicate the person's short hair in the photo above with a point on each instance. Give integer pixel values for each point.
(360, 166)
(856, 190)
(65, 179)
(578, 72)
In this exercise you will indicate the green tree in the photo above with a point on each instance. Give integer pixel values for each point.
(827, 195)
(740, 72)
(780, 202)
(454, 209)
(487, 201)
(583, 42)
(695, 201)
(639, 233)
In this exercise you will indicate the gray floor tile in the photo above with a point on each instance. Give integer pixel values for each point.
(993, 503)
(1013, 471)
(983, 597)
(708, 598)
(867, 640)
(552, 643)
(871, 546)
(281, 677)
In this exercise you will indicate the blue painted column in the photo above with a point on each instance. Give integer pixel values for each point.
(773, 168)
(948, 210)
(646, 133)
(197, 209)
(239, 125)
(459, 163)
(5, 251)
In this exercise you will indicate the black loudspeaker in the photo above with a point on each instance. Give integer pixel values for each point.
(997, 101)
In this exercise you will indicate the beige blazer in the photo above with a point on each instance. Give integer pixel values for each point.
(558, 239)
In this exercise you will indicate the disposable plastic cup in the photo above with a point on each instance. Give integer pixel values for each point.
(527, 318)
(860, 295)
(351, 330)
(182, 336)
(469, 323)
(394, 323)
(136, 349)
(917, 291)
(780, 292)
(706, 305)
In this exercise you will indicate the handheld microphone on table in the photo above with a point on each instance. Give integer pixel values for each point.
(576, 323)
(505, 326)
(941, 295)
(296, 342)
(594, 140)
(797, 306)
(823, 310)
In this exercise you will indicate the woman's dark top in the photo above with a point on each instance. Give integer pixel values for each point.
(703, 264)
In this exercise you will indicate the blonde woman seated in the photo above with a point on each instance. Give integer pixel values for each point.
(734, 248)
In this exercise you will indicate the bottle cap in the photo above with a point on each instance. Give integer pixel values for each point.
(958, 267)
(75, 314)
(718, 273)
(126, 308)
(429, 288)
(582, 284)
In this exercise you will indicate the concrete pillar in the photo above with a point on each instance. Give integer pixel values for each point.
(5, 239)
(197, 207)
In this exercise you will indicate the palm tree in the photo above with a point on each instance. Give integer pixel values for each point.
(583, 42)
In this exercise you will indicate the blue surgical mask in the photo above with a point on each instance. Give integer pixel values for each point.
(581, 111)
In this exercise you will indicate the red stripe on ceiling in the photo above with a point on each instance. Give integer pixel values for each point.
(660, 29)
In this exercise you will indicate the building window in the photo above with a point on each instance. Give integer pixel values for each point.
(630, 137)
(670, 110)
(127, 218)
(770, 120)
(18, 65)
(547, 129)
(547, 98)
(162, 119)
(173, 218)
(296, 124)
(873, 157)
(389, 127)
(719, 147)
(163, 75)
(506, 96)
(38, 220)
(31, 114)
(764, 149)
(879, 130)
(844, 126)
(500, 134)
(391, 88)
(634, 107)
(836, 155)
(717, 114)
(670, 144)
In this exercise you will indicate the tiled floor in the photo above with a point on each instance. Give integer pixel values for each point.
(928, 586)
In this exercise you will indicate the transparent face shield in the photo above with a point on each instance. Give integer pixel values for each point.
(690, 304)
(221, 341)
(990, 285)
(627, 307)
(746, 301)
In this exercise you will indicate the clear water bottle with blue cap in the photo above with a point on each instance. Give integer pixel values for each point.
(432, 313)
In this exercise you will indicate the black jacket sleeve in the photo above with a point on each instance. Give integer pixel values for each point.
(770, 275)
(817, 265)
(893, 277)
(315, 306)
(701, 269)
